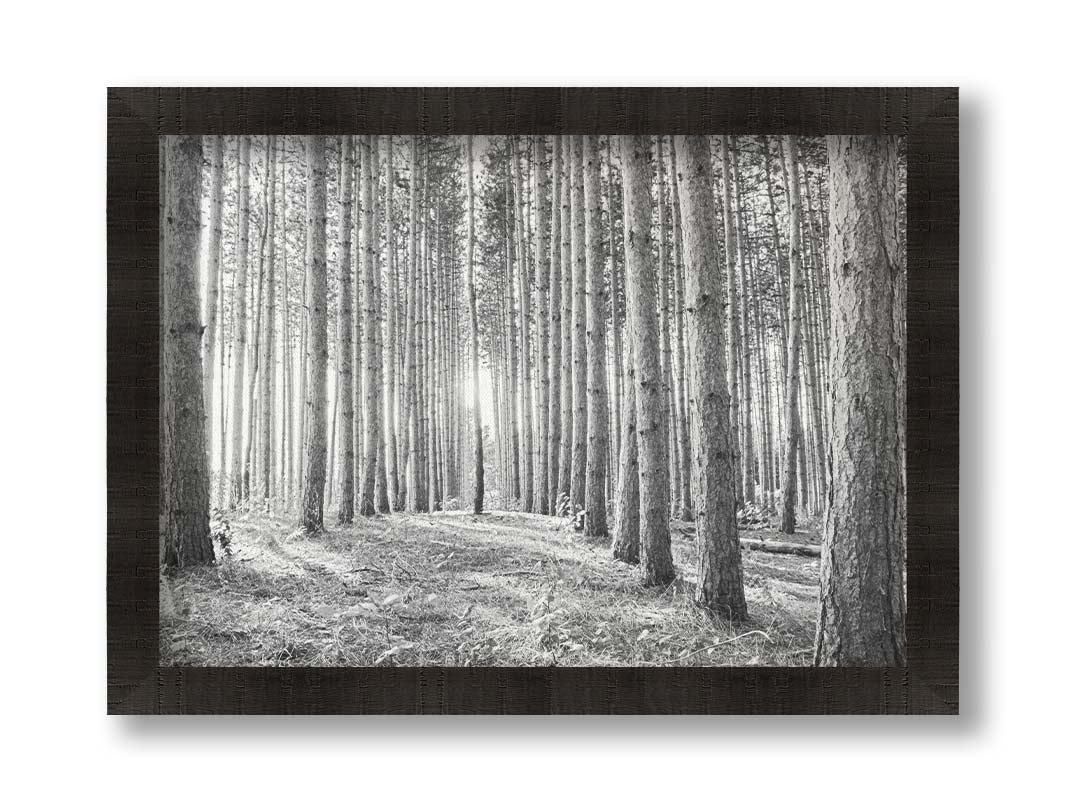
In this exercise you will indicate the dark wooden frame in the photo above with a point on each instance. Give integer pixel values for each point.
(137, 684)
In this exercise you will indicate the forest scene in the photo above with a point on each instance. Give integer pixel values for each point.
(542, 400)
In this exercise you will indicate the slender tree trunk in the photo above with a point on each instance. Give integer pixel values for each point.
(657, 566)
(212, 320)
(680, 396)
(578, 332)
(566, 397)
(317, 346)
(543, 278)
(347, 501)
(555, 413)
(733, 333)
(599, 425)
(720, 586)
(266, 431)
(371, 328)
(237, 417)
(185, 480)
(526, 386)
(479, 466)
(391, 339)
(664, 322)
(792, 411)
(861, 610)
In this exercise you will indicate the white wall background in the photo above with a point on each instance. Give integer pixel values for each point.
(56, 66)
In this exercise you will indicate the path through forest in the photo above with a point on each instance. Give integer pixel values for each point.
(454, 589)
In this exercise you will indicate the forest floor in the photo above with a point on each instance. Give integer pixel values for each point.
(454, 589)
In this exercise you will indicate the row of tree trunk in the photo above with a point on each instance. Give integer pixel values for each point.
(733, 370)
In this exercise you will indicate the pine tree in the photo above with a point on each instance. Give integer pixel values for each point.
(185, 483)
(861, 609)
(317, 347)
(657, 566)
(720, 587)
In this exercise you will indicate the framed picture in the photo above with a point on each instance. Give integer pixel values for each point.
(533, 401)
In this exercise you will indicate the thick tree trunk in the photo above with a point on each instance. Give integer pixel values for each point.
(185, 481)
(317, 346)
(657, 566)
(720, 587)
(861, 613)
(792, 410)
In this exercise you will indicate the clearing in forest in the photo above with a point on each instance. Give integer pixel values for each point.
(454, 589)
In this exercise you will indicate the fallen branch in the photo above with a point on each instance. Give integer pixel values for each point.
(790, 548)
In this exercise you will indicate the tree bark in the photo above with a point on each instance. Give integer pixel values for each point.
(733, 333)
(657, 566)
(479, 466)
(211, 318)
(347, 501)
(555, 413)
(371, 330)
(317, 346)
(566, 397)
(578, 330)
(720, 585)
(792, 411)
(599, 423)
(543, 503)
(861, 609)
(185, 482)
(240, 345)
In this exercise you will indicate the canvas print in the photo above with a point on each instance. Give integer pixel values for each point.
(544, 400)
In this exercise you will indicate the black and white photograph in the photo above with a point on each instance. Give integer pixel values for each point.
(532, 400)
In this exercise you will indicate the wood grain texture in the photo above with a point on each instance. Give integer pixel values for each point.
(928, 117)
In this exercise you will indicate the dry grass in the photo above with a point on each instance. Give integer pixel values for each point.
(452, 589)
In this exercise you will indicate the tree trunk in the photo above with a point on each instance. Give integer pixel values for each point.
(792, 411)
(599, 424)
(566, 397)
(555, 414)
(861, 610)
(578, 330)
(185, 481)
(347, 501)
(240, 345)
(657, 566)
(210, 315)
(733, 333)
(371, 330)
(720, 587)
(317, 346)
(391, 304)
(680, 396)
(479, 466)
(542, 497)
